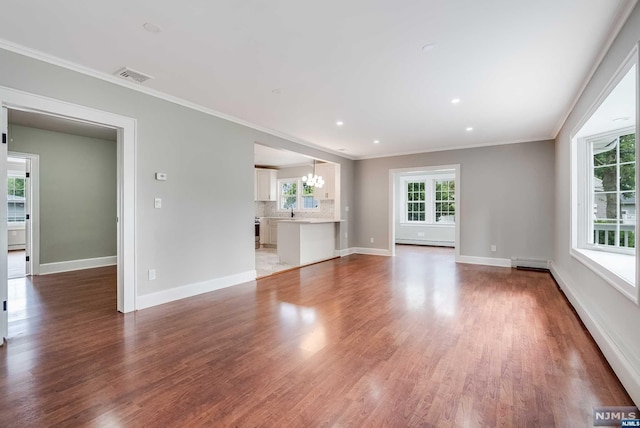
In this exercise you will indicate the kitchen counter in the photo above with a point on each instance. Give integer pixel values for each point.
(304, 241)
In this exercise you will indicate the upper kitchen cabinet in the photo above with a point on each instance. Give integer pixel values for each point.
(266, 184)
(328, 173)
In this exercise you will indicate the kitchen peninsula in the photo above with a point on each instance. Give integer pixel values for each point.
(305, 241)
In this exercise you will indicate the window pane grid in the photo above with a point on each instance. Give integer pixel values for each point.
(613, 194)
(445, 208)
(416, 207)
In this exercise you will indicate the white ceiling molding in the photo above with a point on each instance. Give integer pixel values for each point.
(50, 59)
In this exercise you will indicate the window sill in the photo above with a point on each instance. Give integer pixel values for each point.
(16, 226)
(415, 224)
(619, 270)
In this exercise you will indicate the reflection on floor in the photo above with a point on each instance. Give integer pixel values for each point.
(267, 262)
(16, 263)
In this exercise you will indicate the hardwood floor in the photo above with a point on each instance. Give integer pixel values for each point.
(414, 340)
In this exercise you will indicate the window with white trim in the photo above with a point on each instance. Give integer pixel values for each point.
(416, 201)
(427, 199)
(613, 190)
(291, 198)
(604, 206)
(16, 211)
(445, 201)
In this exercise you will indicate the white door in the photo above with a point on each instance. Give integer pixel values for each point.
(4, 248)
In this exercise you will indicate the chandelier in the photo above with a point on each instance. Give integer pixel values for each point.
(313, 180)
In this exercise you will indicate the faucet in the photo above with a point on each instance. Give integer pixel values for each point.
(292, 214)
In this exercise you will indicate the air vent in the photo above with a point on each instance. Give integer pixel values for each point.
(129, 74)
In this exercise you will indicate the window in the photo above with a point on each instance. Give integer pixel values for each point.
(289, 198)
(15, 199)
(445, 209)
(427, 199)
(416, 202)
(603, 162)
(288, 194)
(613, 190)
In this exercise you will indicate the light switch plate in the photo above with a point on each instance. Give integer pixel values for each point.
(161, 176)
(157, 203)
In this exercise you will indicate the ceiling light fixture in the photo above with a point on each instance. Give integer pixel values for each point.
(376, 141)
(339, 123)
(277, 91)
(455, 101)
(152, 28)
(621, 119)
(469, 129)
(313, 180)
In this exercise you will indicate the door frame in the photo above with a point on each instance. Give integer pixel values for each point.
(393, 201)
(126, 185)
(32, 226)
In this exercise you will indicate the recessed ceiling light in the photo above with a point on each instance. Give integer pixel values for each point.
(428, 47)
(621, 119)
(339, 123)
(469, 129)
(455, 101)
(376, 141)
(277, 91)
(152, 28)
(342, 150)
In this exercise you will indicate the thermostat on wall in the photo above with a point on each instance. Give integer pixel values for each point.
(161, 176)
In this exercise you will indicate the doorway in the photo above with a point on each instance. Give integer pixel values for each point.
(424, 207)
(22, 209)
(125, 215)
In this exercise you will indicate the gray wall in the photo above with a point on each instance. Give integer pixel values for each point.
(78, 200)
(609, 315)
(506, 198)
(209, 162)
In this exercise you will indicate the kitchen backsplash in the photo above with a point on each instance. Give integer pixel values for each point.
(269, 209)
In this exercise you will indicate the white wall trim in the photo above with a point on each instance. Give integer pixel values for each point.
(371, 251)
(190, 290)
(488, 261)
(67, 266)
(346, 252)
(625, 369)
(126, 148)
(426, 242)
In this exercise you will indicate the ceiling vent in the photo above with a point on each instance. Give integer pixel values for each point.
(135, 76)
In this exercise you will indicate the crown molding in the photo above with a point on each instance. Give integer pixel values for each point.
(69, 65)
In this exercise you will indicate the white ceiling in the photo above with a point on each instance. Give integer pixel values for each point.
(267, 156)
(297, 67)
(59, 124)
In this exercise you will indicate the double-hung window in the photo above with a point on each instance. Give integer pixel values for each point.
(295, 195)
(428, 199)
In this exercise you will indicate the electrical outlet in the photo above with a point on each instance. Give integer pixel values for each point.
(152, 274)
(372, 240)
(494, 248)
(157, 203)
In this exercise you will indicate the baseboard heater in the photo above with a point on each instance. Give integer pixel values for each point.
(529, 264)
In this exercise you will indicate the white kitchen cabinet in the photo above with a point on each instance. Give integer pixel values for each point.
(273, 232)
(266, 184)
(264, 231)
(328, 173)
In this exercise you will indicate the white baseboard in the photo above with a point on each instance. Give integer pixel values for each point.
(371, 251)
(626, 370)
(71, 265)
(345, 252)
(426, 242)
(190, 290)
(489, 261)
